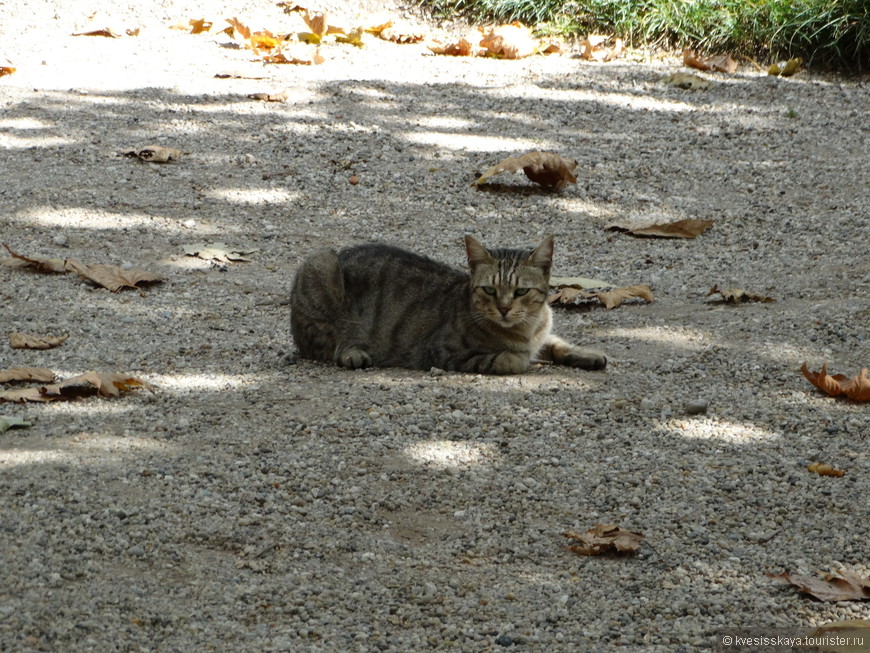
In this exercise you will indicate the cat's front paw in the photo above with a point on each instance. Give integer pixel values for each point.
(354, 358)
(510, 363)
(585, 359)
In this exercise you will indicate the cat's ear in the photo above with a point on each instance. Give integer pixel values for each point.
(477, 253)
(542, 257)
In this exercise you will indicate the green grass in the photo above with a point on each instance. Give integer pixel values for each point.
(829, 34)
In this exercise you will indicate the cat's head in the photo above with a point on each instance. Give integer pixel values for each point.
(509, 286)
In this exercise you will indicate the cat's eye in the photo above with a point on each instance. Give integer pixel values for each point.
(519, 292)
(489, 290)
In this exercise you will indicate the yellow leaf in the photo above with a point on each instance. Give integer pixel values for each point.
(824, 470)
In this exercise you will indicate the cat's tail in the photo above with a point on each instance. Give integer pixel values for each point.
(317, 305)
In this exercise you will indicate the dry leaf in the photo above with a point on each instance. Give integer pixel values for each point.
(737, 295)
(47, 265)
(301, 55)
(27, 341)
(786, 68)
(688, 228)
(615, 297)
(91, 383)
(723, 63)
(270, 97)
(513, 41)
(543, 168)
(573, 296)
(849, 586)
(851, 636)
(467, 46)
(217, 252)
(687, 81)
(99, 32)
(9, 421)
(238, 27)
(857, 388)
(22, 395)
(6, 68)
(39, 374)
(604, 538)
(401, 32)
(263, 40)
(601, 48)
(200, 26)
(112, 277)
(154, 154)
(353, 37)
(825, 470)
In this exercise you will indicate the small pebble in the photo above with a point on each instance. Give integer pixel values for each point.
(697, 407)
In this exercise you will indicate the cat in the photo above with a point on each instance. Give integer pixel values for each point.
(379, 305)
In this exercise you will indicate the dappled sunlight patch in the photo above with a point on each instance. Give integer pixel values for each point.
(214, 382)
(93, 219)
(84, 448)
(572, 96)
(474, 142)
(715, 429)
(254, 196)
(676, 336)
(449, 453)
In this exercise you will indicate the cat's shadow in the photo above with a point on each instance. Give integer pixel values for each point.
(522, 190)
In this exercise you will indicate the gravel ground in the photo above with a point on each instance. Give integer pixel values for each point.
(254, 505)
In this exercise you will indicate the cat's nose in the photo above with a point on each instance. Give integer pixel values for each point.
(504, 309)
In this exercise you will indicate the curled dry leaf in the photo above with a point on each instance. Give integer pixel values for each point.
(544, 168)
(687, 81)
(270, 97)
(46, 265)
(737, 295)
(688, 228)
(199, 26)
(604, 538)
(237, 26)
(301, 55)
(153, 154)
(219, 252)
(9, 421)
(468, 45)
(514, 41)
(6, 68)
(786, 68)
(857, 388)
(723, 63)
(112, 277)
(15, 374)
(401, 32)
(601, 48)
(27, 341)
(848, 586)
(84, 385)
(825, 470)
(105, 31)
(573, 296)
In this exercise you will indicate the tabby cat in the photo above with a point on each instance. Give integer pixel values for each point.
(379, 305)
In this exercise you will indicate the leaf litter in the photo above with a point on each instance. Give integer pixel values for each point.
(22, 374)
(88, 384)
(604, 538)
(856, 388)
(847, 586)
(644, 227)
(544, 168)
(28, 341)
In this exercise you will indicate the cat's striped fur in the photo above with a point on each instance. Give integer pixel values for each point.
(379, 305)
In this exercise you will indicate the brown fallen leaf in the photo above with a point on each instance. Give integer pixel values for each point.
(688, 228)
(601, 47)
(271, 97)
(39, 374)
(85, 385)
(514, 41)
(857, 388)
(737, 295)
(46, 265)
(544, 168)
(302, 56)
(154, 154)
(604, 538)
(113, 277)
(852, 636)
(6, 68)
(825, 470)
(100, 32)
(848, 586)
(400, 32)
(27, 341)
(687, 81)
(611, 298)
(723, 63)
(237, 26)
(199, 26)
(468, 45)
